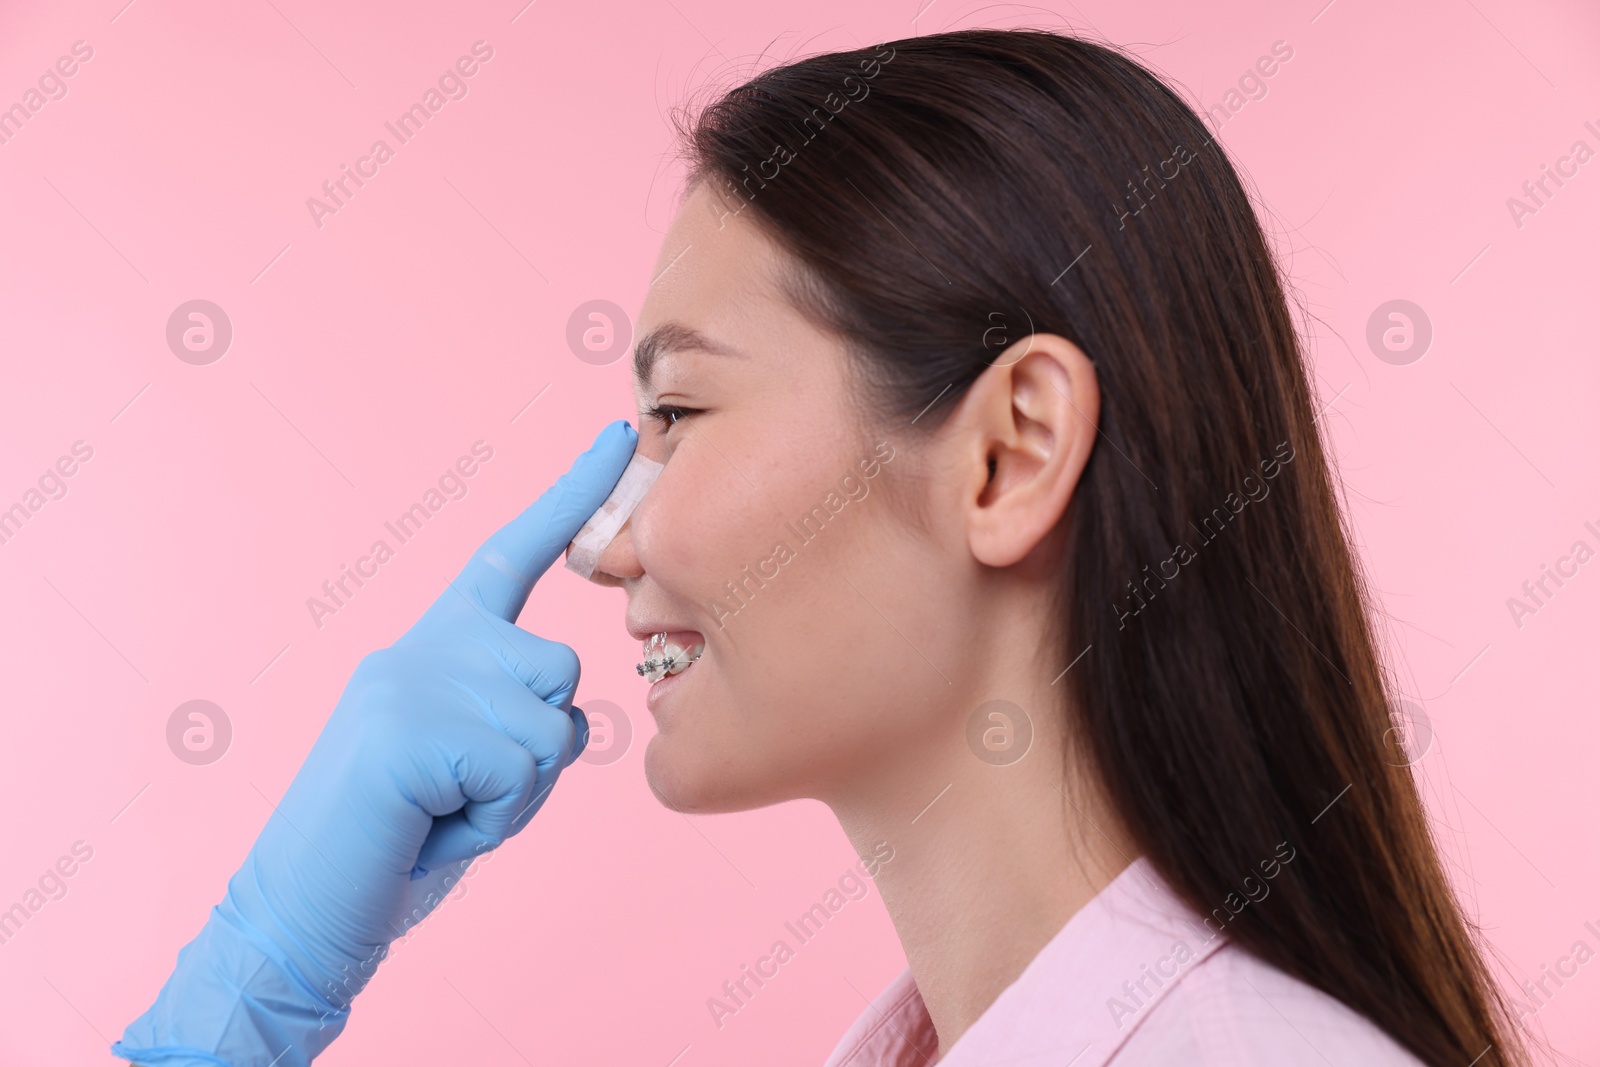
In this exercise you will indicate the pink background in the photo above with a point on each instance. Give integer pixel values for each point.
(370, 353)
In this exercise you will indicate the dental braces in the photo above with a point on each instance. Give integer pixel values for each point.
(654, 668)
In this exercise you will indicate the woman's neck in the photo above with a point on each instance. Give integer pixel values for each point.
(989, 862)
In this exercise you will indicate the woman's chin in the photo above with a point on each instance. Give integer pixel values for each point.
(691, 784)
(673, 788)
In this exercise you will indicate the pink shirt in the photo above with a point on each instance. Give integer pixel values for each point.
(1133, 980)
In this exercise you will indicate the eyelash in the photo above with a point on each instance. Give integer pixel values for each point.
(668, 414)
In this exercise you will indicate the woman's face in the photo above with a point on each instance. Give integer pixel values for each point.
(831, 621)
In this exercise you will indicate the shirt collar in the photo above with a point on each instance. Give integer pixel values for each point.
(1076, 1002)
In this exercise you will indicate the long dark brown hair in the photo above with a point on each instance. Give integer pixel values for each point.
(945, 195)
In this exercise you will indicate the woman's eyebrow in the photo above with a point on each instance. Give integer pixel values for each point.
(669, 337)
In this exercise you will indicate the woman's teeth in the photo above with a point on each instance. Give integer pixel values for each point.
(663, 657)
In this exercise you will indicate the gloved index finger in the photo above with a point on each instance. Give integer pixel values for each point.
(502, 572)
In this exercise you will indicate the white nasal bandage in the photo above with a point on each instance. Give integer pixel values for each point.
(583, 555)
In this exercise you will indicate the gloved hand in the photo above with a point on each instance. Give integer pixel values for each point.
(441, 747)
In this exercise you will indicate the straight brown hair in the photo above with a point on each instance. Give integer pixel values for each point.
(945, 195)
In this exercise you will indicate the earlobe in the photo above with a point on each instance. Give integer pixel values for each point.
(1032, 423)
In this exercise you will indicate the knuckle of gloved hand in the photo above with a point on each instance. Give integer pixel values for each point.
(371, 665)
(382, 676)
(557, 731)
(528, 771)
(561, 661)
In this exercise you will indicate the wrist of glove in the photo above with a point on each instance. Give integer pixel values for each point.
(235, 999)
(248, 991)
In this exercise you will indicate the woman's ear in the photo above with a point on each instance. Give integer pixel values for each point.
(1029, 423)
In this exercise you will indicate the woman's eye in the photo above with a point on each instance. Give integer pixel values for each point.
(668, 414)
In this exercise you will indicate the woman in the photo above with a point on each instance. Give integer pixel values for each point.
(994, 515)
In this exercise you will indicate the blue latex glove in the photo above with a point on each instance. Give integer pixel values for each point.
(441, 747)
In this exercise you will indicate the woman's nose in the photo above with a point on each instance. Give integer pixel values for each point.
(618, 561)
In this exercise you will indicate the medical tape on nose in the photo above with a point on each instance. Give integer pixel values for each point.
(583, 555)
